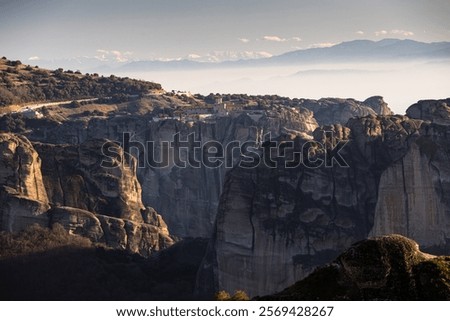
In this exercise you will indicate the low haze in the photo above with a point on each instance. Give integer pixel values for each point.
(400, 85)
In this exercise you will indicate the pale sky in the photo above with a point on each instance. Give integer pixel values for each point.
(169, 29)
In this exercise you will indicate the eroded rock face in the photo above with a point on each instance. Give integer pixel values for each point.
(276, 225)
(413, 190)
(410, 203)
(135, 237)
(18, 211)
(187, 197)
(23, 196)
(329, 111)
(384, 268)
(378, 105)
(21, 167)
(74, 176)
(87, 198)
(436, 111)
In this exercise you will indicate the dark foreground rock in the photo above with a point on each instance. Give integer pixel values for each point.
(51, 264)
(384, 268)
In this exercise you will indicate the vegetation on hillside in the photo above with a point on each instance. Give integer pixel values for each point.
(21, 83)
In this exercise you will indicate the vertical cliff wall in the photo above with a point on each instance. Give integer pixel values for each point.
(67, 184)
(22, 193)
(187, 197)
(410, 201)
(276, 225)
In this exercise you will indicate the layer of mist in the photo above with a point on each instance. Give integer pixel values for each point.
(401, 83)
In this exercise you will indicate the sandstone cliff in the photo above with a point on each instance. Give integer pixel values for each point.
(187, 197)
(71, 187)
(23, 196)
(74, 176)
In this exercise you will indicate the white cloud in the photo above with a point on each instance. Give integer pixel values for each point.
(360, 32)
(34, 58)
(274, 38)
(193, 56)
(219, 56)
(402, 33)
(244, 40)
(281, 39)
(395, 32)
(321, 45)
(113, 55)
(381, 33)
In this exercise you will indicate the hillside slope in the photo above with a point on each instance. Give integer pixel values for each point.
(21, 83)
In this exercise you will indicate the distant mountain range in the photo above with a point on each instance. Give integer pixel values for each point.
(386, 50)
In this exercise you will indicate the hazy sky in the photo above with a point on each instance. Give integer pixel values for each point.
(168, 29)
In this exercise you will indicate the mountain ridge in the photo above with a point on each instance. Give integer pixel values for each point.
(434, 50)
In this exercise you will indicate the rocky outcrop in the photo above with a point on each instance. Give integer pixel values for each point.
(385, 268)
(71, 186)
(436, 111)
(270, 226)
(75, 176)
(281, 223)
(379, 106)
(328, 111)
(22, 193)
(18, 211)
(135, 237)
(187, 197)
(20, 167)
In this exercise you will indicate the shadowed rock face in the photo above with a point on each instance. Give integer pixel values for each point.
(74, 177)
(384, 268)
(187, 197)
(281, 223)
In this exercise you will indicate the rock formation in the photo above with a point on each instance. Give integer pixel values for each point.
(187, 197)
(75, 176)
(274, 226)
(384, 268)
(269, 226)
(23, 196)
(135, 237)
(329, 111)
(436, 111)
(70, 186)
